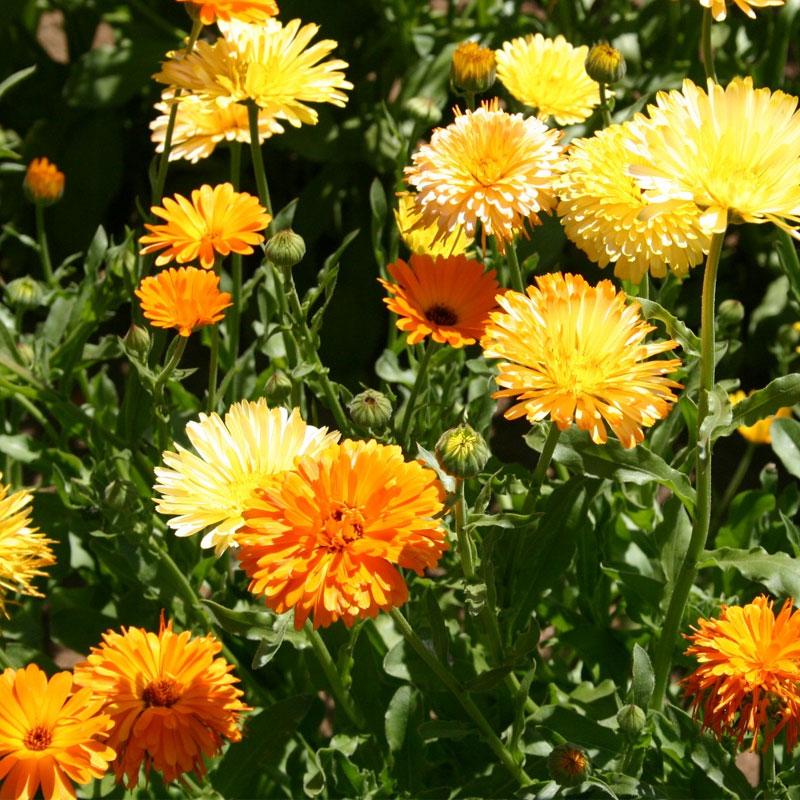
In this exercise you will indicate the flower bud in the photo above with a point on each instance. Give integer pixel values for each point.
(568, 765)
(137, 342)
(278, 387)
(605, 64)
(729, 315)
(462, 452)
(631, 720)
(370, 409)
(285, 249)
(424, 109)
(473, 69)
(44, 182)
(26, 353)
(24, 293)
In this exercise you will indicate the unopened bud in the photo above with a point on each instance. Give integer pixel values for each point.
(44, 182)
(730, 314)
(278, 387)
(462, 452)
(424, 109)
(137, 342)
(24, 293)
(631, 720)
(370, 409)
(605, 64)
(26, 353)
(285, 249)
(568, 765)
(473, 69)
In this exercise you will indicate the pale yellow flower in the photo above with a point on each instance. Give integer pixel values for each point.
(423, 241)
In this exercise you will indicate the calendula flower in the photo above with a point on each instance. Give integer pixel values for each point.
(248, 11)
(423, 240)
(24, 551)
(549, 76)
(326, 540)
(759, 432)
(448, 299)
(201, 124)
(576, 353)
(50, 735)
(217, 220)
(733, 151)
(210, 487)
(44, 182)
(185, 299)
(487, 166)
(172, 699)
(271, 65)
(719, 7)
(606, 213)
(748, 678)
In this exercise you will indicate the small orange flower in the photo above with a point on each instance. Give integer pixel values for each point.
(447, 298)
(748, 680)
(217, 220)
(44, 182)
(249, 11)
(50, 736)
(760, 432)
(171, 699)
(327, 539)
(187, 298)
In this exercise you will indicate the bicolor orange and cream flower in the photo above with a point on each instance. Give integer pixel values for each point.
(50, 736)
(173, 700)
(576, 353)
(43, 182)
(24, 551)
(759, 431)
(608, 216)
(734, 151)
(747, 682)
(486, 167)
(185, 299)
(217, 220)
(719, 8)
(209, 487)
(423, 240)
(326, 540)
(248, 11)
(448, 299)
(549, 76)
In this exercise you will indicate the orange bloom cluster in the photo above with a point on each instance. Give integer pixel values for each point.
(748, 678)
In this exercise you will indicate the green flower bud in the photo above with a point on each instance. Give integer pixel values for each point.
(424, 109)
(568, 765)
(605, 64)
(278, 388)
(137, 342)
(24, 293)
(462, 452)
(729, 316)
(26, 353)
(473, 69)
(370, 409)
(631, 720)
(285, 249)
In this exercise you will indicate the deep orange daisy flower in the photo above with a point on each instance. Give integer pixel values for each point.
(249, 11)
(448, 299)
(50, 736)
(748, 680)
(171, 699)
(44, 182)
(218, 219)
(326, 540)
(186, 299)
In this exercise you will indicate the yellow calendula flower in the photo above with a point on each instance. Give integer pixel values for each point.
(473, 68)
(719, 8)
(274, 65)
(734, 151)
(549, 76)
(606, 213)
(758, 432)
(423, 240)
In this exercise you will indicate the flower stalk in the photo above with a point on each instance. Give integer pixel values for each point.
(419, 382)
(517, 281)
(705, 45)
(258, 159)
(44, 249)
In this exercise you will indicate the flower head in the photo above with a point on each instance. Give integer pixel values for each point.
(248, 11)
(185, 299)
(24, 551)
(172, 700)
(759, 432)
(549, 75)
(605, 64)
(217, 220)
(719, 10)
(610, 218)
(272, 65)
(576, 353)
(487, 166)
(327, 539)
(748, 677)
(448, 299)
(472, 68)
(426, 240)
(732, 151)
(44, 182)
(211, 487)
(50, 736)
(568, 764)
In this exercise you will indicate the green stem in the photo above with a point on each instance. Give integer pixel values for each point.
(343, 699)
(408, 415)
(545, 457)
(705, 45)
(44, 250)
(517, 281)
(258, 160)
(174, 355)
(469, 98)
(233, 320)
(464, 545)
(213, 367)
(605, 111)
(768, 769)
(446, 677)
(733, 486)
(702, 520)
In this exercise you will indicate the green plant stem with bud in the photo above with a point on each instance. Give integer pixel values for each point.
(462, 535)
(446, 677)
(605, 111)
(44, 249)
(173, 357)
(419, 382)
(258, 159)
(702, 519)
(517, 281)
(705, 45)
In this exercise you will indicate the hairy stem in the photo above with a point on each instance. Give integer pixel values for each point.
(44, 249)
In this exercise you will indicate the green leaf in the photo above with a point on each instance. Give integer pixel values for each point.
(676, 329)
(786, 443)
(718, 417)
(787, 256)
(445, 729)
(247, 623)
(268, 647)
(778, 572)
(17, 77)
(780, 393)
(644, 679)
(401, 708)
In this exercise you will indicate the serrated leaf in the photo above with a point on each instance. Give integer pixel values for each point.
(778, 572)
(678, 330)
(780, 393)
(786, 443)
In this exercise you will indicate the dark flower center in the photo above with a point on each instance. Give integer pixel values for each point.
(163, 693)
(441, 315)
(38, 738)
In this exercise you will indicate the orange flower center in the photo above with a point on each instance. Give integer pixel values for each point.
(163, 693)
(344, 525)
(38, 738)
(573, 762)
(441, 315)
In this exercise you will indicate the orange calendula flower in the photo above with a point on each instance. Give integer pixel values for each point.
(759, 432)
(448, 299)
(249, 11)
(576, 353)
(327, 539)
(748, 678)
(217, 220)
(719, 7)
(50, 736)
(185, 299)
(172, 700)
(44, 182)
